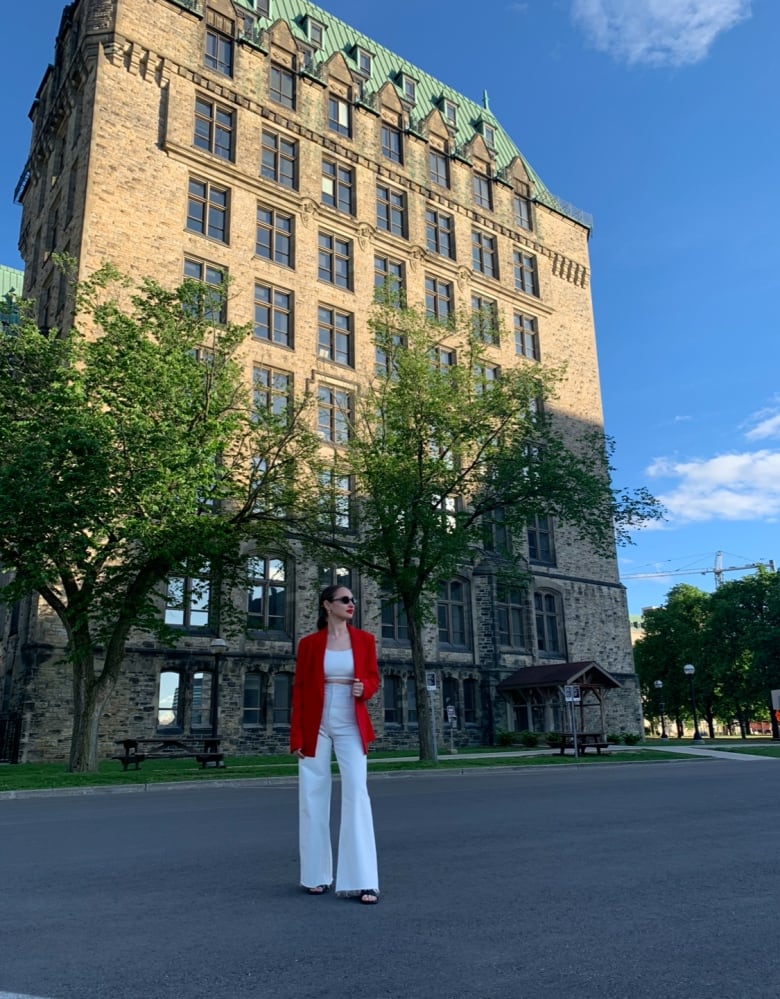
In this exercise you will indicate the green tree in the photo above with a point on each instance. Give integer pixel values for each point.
(744, 643)
(439, 451)
(674, 636)
(130, 448)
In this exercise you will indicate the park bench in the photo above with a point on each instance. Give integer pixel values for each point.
(585, 741)
(205, 751)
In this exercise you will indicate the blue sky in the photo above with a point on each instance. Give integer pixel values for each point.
(660, 117)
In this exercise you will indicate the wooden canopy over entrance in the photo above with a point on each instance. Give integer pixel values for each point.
(537, 695)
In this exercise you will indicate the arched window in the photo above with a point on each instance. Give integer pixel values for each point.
(170, 703)
(548, 611)
(411, 701)
(511, 611)
(449, 696)
(255, 685)
(282, 698)
(452, 614)
(391, 688)
(267, 595)
(470, 701)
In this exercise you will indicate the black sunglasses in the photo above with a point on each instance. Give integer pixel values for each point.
(344, 600)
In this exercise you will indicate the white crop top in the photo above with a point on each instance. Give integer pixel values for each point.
(340, 664)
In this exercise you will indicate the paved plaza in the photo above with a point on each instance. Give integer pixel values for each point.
(595, 882)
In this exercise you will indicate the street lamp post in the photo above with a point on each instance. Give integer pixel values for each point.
(218, 649)
(689, 669)
(659, 686)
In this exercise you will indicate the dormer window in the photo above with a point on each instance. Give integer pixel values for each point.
(316, 32)
(261, 7)
(450, 112)
(364, 61)
(489, 135)
(409, 88)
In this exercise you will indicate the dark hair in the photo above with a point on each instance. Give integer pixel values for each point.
(327, 594)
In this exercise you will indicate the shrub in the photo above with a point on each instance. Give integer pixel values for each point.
(616, 738)
(505, 738)
(528, 739)
(631, 738)
(553, 739)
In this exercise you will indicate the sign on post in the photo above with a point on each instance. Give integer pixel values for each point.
(430, 681)
(571, 693)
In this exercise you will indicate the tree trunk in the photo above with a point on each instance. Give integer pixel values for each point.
(89, 699)
(424, 715)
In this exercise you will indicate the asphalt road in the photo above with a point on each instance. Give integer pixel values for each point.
(608, 882)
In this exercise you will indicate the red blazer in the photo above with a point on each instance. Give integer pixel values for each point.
(309, 687)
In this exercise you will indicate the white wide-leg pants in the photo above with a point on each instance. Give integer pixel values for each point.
(356, 867)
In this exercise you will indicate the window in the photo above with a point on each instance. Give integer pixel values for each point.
(253, 714)
(439, 233)
(267, 595)
(449, 696)
(450, 112)
(282, 86)
(273, 315)
(482, 192)
(389, 281)
(214, 127)
(470, 692)
(335, 260)
(337, 492)
(439, 167)
(209, 302)
(510, 617)
(451, 614)
(339, 115)
(334, 335)
(438, 299)
(391, 688)
(489, 135)
(219, 43)
(549, 622)
(338, 184)
(334, 414)
(169, 702)
(202, 703)
(409, 88)
(207, 210)
(522, 209)
(333, 575)
(364, 62)
(279, 160)
(274, 236)
(442, 358)
(272, 390)
(315, 31)
(484, 258)
(390, 210)
(495, 532)
(395, 625)
(484, 321)
(262, 7)
(526, 277)
(526, 336)
(540, 541)
(391, 143)
(282, 698)
(485, 376)
(187, 602)
(411, 701)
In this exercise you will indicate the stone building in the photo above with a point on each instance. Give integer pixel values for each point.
(270, 141)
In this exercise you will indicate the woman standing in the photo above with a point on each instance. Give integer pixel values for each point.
(336, 672)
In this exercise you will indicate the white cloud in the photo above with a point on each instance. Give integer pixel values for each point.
(742, 486)
(766, 423)
(658, 32)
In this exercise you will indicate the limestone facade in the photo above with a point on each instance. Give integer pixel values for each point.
(195, 137)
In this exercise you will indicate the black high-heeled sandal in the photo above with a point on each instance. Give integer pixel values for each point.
(369, 896)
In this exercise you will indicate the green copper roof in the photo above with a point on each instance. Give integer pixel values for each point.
(11, 281)
(430, 93)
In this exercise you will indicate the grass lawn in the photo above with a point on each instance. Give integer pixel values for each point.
(49, 776)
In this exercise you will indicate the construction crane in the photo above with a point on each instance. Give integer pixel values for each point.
(718, 569)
